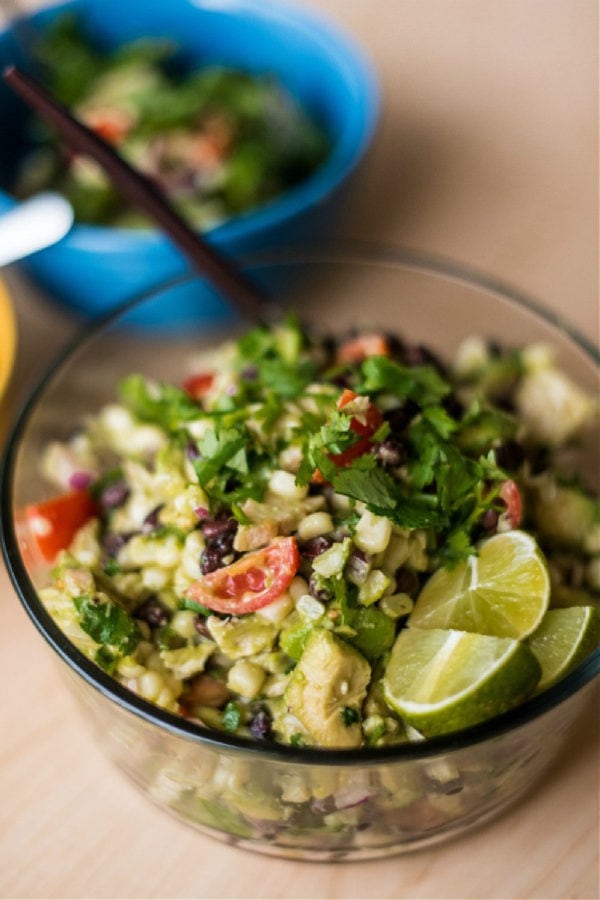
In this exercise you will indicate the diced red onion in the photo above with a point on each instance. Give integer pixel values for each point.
(353, 795)
(202, 512)
(79, 481)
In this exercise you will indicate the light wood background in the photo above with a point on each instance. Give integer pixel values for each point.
(487, 153)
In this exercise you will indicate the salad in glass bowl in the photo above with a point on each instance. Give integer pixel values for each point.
(322, 591)
(328, 541)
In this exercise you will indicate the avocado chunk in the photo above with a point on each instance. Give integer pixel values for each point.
(566, 516)
(327, 688)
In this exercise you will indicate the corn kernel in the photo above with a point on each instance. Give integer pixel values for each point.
(314, 525)
(372, 533)
(246, 678)
(283, 484)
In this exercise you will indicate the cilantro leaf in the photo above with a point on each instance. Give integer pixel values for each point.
(231, 717)
(423, 384)
(286, 380)
(219, 448)
(372, 486)
(384, 496)
(440, 421)
(160, 404)
(108, 624)
(231, 466)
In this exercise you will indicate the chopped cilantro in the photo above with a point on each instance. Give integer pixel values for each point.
(231, 717)
(108, 624)
(161, 404)
(186, 603)
(280, 365)
(384, 496)
(349, 716)
(168, 639)
(106, 659)
(286, 380)
(112, 567)
(377, 733)
(423, 384)
(98, 487)
(231, 467)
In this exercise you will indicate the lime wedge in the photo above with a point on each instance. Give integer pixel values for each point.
(563, 640)
(504, 591)
(443, 680)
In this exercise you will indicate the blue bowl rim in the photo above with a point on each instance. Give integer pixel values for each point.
(112, 691)
(351, 60)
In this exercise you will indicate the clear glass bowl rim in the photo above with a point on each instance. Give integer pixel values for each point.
(333, 252)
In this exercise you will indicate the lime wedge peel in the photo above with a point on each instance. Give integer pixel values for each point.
(565, 637)
(503, 592)
(444, 680)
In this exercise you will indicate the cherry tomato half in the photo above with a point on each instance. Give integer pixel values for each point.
(198, 385)
(509, 493)
(365, 427)
(372, 416)
(359, 348)
(250, 583)
(54, 523)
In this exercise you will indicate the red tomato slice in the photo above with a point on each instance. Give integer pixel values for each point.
(198, 385)
(366, 429)
(54, 523)
(359, 348)
(509, 493)
(372, 416)
(251, 582)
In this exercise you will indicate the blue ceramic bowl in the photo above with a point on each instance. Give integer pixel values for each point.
(95, 268)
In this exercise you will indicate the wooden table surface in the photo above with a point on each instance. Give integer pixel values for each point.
(487, 152)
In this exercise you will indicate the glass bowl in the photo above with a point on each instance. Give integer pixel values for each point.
(279, 800)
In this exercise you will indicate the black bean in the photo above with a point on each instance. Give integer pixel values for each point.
(401, 417)
(153, 612)
(328, 346)
(222, 544)
(538, 459)
(395, 346)
(453, 406)
(510, 455)
(316, 546)
(488, 521)
(210, 560)
(418, 355)
(213, 528)
(260, 724)
(342, 379)
(390, 453)
(407, 581)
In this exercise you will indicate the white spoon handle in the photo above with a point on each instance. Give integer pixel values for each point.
(32, 225)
